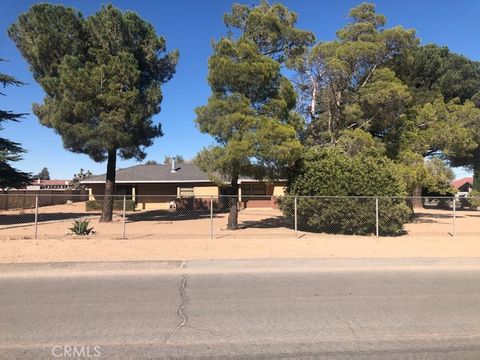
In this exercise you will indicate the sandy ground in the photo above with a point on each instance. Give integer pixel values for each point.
(59, 250)
(191, 235)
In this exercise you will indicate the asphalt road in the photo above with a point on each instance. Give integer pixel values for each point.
(319, 315)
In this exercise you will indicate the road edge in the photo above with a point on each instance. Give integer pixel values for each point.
(246, 266)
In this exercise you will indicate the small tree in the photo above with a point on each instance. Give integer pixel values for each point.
(101, 76)
(10, 151)
(439, 177)
(446, 129)
(43, 175)
(178, 158)
(76, 184)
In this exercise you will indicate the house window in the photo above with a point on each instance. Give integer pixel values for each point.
(121, 189)
(254, 189)
(259, 189)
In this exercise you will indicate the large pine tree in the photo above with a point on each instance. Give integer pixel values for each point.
(10, 151)
(102, 78)
(250, 113)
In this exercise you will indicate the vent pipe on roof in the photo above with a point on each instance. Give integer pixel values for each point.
(174, 168)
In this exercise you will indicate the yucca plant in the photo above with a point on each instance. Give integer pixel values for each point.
(80, 227)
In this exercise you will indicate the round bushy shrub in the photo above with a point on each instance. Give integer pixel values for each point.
(336, 193)
(473, 200)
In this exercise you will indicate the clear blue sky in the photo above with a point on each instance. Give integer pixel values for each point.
(190, 26)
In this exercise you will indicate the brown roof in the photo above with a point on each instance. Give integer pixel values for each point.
(154, 173)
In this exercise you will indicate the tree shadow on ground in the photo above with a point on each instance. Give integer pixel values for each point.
(272, 222)
(429, 218)
(18, 219)
(152, 215)
(165, 215)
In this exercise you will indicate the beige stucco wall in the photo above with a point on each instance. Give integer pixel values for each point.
(205, 190)
(155, 196)
(278, 190)
(152, 205)
(158, 196)
(148, 196)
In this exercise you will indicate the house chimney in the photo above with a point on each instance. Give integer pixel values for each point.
(174, 167)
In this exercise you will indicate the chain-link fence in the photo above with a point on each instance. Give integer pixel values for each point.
(26, 216)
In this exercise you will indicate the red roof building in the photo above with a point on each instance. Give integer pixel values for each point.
(39, 184)
(463, 185)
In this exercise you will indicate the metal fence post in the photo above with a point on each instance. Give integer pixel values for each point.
(296, 220)
(376, 217)
(211, 217)
(124, 214)
(454, 231)
(36, 216)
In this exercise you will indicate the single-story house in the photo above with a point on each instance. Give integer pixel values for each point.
(464, 186)
(39, 184)
(155, 186)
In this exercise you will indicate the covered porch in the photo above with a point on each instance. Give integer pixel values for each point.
(260, 194)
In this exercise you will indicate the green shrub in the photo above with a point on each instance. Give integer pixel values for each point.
(342, 192)
(473, 200)
(80, 227)
(93, 205)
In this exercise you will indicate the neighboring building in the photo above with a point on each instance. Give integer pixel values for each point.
(39, 184)
(464, 186)
(155, 186)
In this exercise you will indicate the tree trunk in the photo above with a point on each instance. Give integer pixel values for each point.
(330, 126)
(476, 172)
(416, 197)
(233, 215)
(107, 209)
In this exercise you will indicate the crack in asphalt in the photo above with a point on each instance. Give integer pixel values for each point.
(345, 322)
(182, 314)
(181, 309)
(22, 354)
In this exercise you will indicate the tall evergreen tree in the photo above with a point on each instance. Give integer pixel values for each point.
(250, 113)
(10, 151)
(431, 70)
(101, 76)
(445, 85)
(346, 84)
(376, 81)
(272, 27)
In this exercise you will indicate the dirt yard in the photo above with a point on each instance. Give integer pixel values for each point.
(55, 221)
(263, 233)
(332, 246)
